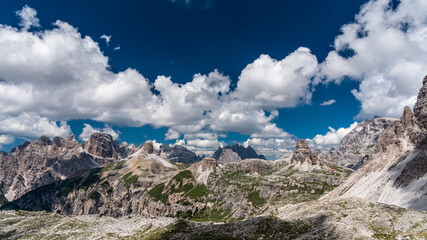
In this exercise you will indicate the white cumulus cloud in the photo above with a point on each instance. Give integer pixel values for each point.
(28, 17)
(201, 146)
(272, 84)
(6, 139)
(27, 125)
(386, 49)
(272, 148)
(61, 75)
(332, 138)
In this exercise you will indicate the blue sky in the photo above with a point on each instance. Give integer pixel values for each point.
(280, 96)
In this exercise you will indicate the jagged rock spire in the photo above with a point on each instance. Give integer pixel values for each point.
(148, 147)
(303, 153)
(407, 118)
(420, 108)
(101, 145)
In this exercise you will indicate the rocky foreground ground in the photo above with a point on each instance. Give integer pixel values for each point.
(322, 219)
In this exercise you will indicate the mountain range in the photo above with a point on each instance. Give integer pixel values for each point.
(374, 186)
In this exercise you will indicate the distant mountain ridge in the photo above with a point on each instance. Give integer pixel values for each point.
(235, 153)
(178, 153)
(44, 161)
(147, 184)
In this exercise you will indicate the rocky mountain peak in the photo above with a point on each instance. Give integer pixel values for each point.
(420, 108)
(148, 147)
(101, 145)
(235, 153)
(302, 145)
(32, 165)
(303, 153)
(45, 140)
(69, 142)
(178, 153)
(72, 137)
(407, 118)
(397, 164)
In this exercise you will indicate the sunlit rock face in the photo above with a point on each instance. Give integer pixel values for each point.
(357, 146)
(44, 161)
(397, 171)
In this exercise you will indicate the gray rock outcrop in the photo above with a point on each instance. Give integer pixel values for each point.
(235, 153)
(148, 147)
(396, 173)
(44, 161)
(357, 146)
(303, 153)
(102, 146)
(420, 108)
(178, 153)
(41, 162)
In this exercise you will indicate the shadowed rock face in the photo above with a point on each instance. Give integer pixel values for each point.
(420, 108)
(178, 153)
(104, 149)
(102, 145)
(148, 147)
(303, 153)
(407, 118)
(235, 153)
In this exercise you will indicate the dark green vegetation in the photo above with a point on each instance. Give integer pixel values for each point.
(214, 214)
(186, 174)
(198, 192)
(255, 199)
(157, 193)
(113, 166)
(84, 182)
(257, 182)
(95, 195)
(183, 183)
(130, 179)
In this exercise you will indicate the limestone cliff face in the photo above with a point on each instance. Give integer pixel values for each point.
(41, 162)
(32, 165)
(105, 149)
(358, 146)
(148, 147)
(397, 171)
(420, 108)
